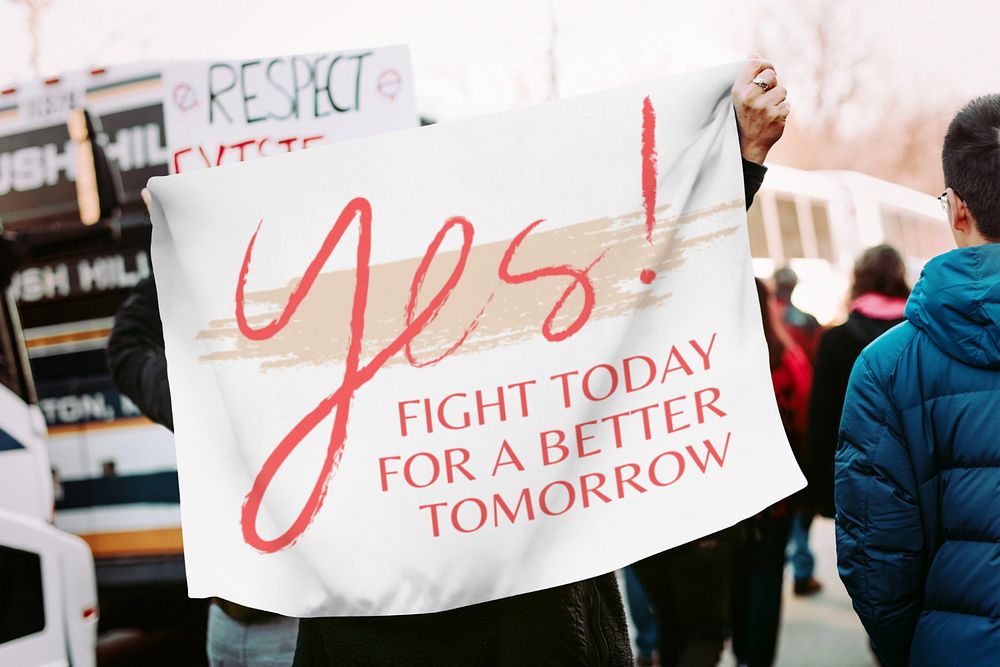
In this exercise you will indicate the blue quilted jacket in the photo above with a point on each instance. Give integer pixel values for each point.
(917, 484)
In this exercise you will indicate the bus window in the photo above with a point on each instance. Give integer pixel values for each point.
(788, 222)
(755, 226)
(895, 234)
(933, 238)
(915, 236)
(821, 223)
(22, 602)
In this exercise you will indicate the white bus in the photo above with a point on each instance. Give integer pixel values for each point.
(115, 471)
(819, 222)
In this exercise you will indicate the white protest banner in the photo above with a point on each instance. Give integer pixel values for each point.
(428, 369)
(226, 111)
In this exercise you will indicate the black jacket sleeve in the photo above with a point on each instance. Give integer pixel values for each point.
(753, 177)
(136, 354)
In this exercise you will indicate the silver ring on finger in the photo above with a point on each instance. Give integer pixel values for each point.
(762, 82)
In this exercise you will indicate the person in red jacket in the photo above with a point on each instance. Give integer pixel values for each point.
(806, 331)
(803, 327)
(759, 557)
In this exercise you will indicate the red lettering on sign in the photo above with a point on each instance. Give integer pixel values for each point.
(356, 375)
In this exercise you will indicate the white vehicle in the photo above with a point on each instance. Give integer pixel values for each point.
(818, 223)
(79, 236)
(48, 589)
(74, 453)
(115, 472)
(25, 476)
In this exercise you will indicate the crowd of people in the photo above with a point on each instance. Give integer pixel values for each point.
(810, 369)
(903, 450)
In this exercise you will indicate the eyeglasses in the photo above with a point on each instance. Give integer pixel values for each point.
(943, 200)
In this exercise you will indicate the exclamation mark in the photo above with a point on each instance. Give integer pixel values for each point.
(648, 177)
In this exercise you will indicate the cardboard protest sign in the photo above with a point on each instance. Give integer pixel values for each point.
(226, 111)
(428, 369)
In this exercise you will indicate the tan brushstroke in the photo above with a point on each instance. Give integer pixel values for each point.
(318, 332)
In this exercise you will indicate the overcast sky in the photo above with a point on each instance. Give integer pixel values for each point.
(473, 56)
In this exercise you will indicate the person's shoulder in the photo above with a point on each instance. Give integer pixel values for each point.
(834, 338)
(835, 331)
(882, 355)
(799, 318)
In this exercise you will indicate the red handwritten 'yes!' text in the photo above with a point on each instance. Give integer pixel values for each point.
(357, 375)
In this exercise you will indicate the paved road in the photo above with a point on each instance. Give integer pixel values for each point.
(823, 630)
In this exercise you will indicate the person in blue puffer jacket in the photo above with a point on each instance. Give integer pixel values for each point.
(917, 486)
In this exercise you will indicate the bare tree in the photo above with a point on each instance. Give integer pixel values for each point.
(137, 31)
(908, 150)
(35, 10)
(848, 100)
(825, 52)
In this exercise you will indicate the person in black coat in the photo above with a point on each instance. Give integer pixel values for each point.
(581, 623)
(689, 586)
(878, 297)
(237, 635)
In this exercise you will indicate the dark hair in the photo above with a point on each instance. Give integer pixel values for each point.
(880, 270)
(775, 335)
(971, 158)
